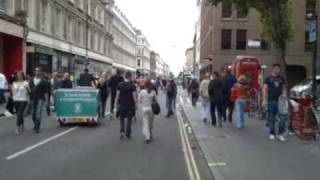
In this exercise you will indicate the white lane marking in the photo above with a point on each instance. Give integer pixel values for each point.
(185, 150)
(39, 144)
(189, 150)
(181, 100)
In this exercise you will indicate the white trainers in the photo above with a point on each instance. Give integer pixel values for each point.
(272, 137)
(8, 114)
(281, 138)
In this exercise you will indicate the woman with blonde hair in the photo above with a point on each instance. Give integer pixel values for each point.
(241, 88)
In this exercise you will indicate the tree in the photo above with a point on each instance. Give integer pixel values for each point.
(275, 20)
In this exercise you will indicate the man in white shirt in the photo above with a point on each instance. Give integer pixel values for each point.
(3, 87)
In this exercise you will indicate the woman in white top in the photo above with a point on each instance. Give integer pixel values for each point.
(20, 94)
(146, 97)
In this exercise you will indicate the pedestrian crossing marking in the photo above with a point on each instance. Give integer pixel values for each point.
(217, 164)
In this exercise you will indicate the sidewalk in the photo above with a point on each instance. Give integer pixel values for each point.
(248, 154)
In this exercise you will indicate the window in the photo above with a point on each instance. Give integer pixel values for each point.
(21, 5)
(44, 16)
(241, 39)
(265, 45)
(310, 7)
(226, 38)
(226, 10)
(3, 5)
(71, 29)
(58, 22)
(242, 14)
(307, 44)
(139, 63)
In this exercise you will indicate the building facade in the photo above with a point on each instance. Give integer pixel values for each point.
(225, 32)
(125, 42)
(190, 60)
(143, 54)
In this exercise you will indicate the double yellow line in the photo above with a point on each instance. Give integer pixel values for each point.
(188, 154)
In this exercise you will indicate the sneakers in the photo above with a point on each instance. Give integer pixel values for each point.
(122, 135)
(272, 137)
(281, 138)
(8, 114)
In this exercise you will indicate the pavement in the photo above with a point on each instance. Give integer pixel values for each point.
(247, 154)
(96, 153)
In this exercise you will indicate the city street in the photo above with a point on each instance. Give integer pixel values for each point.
(247, 154)
(93, 152)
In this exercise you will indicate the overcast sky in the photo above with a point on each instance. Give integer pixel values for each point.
(169, 26)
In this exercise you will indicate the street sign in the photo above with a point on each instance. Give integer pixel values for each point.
(254, 43)
(312, 31)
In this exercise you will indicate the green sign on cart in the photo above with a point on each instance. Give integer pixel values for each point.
(76, 103)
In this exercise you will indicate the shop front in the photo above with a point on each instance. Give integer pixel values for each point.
(40, 56)
(11, 47)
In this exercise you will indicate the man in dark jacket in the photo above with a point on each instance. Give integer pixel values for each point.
(66, 83)
(115, 80)
(39, 97)
(171, 96)
(87, 79)
(216, 98)
(229, 80)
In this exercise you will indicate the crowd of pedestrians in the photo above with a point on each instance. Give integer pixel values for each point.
(128, 95)
(224, 96)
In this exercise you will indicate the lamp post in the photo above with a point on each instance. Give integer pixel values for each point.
(313, 38)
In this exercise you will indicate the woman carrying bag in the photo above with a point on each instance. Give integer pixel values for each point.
(20, 94)
(147, 98)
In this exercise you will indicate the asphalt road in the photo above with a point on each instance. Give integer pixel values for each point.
(91, 152)
(248, 154)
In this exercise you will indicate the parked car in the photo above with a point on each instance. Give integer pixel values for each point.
(304, 88)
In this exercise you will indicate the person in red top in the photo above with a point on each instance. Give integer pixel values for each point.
(241, 87)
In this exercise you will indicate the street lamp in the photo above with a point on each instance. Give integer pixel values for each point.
(313, 38)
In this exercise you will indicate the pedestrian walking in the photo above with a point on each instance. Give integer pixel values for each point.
(240, 95)
(194, 88)
(20, 94)
(66, 83)
(171, 96)
(204, 94)
(50, 97)
(146, 97)
(10, 105)
(39, 97)
(274, 87)
(3, 87)
(115, 80)
(216, 99)
(229, 81)
(103, 92)
(126, 102)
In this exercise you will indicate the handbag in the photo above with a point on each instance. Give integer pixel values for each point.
(155, 106)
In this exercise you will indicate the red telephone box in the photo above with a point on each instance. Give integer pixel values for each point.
(250, 67)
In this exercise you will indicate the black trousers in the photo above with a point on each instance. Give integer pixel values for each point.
(102, 106)
(10, 105)
(126, 113)
(113, 98)
(213, 107)
(229, 106)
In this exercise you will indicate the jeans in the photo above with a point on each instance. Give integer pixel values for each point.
(126, 113)
(205, 109)
(2, 98)
(102, 106)
(20, 106)
(272, 112)
(213, 107)
(170, 105)
(37, 106)
(147, 122)
(194, 99)
(240, 105)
